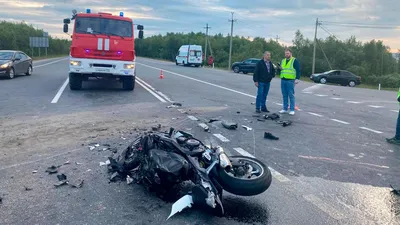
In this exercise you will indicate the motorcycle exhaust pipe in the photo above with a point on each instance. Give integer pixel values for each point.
(224, 160)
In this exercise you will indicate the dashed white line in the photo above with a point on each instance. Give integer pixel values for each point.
(368, 129)
(321, 95)
(353, 102)
(340, 121)
(375, 106)
(154, 90)
(204, 82)
(396, 111)
(151, 91)
(193, 118)
(314, 87)
(279, 104)
(60, 91)
(222, 138)
(49, 63)
(337, 98)
(307, 92)
(203, 125)
(315, 114)
(274, 173)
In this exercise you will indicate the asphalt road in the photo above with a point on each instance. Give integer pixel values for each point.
(331, 166)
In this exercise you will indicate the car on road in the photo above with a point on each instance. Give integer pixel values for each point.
(342, 77)
(246, 66)
(14, 63)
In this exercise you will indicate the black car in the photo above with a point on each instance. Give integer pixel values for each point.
(342, 77)
(246, 66)
(13, 63)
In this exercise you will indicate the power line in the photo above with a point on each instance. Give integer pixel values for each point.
(352, 23)
(230, 45)
(361, 25)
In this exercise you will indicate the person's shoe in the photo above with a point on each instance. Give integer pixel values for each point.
(291, 113)
(393, 141)
(265, 110)
(283, 111)
(258, 111)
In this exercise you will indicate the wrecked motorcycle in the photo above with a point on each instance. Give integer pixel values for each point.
(163, 160)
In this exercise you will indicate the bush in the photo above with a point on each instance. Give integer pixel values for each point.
(386, 81)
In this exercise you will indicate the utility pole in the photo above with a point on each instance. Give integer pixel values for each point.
(230, 45)
(277, 38)
(205, 52)
(315, 46)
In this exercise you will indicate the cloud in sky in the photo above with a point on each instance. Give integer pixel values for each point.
(254, 17)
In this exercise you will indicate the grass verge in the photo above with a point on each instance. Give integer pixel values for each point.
(47, 57)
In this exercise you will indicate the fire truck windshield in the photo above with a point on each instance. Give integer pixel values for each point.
(91, 25)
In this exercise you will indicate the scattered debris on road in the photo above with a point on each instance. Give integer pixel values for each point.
(52, 169)
(229, 125)
(28, 188)
(285, 123)
(129, 179)
(67, 163)
(261, 120)
(270, 136)
(61, 177)
(205, 127)
(247, 128)
(76, 184)
(213, 120)
(35, 171)
(272, 116)
(177, 104)
(156, 128)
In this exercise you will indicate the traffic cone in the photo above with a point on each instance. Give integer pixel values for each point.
(161, 75)
(295, 108)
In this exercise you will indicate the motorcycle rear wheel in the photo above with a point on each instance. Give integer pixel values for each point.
(246, 186)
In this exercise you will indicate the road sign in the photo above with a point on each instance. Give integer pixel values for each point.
(38, 42)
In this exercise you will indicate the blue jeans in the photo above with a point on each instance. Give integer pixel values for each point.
(287, 87)
(398, 127)
(262, 92)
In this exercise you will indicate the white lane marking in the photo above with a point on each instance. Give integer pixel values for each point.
(222, 138)
(279, 103)
(46, 64)
(60, 91)
(368, 129)
(315, 114)
(274, 173)
(340, 121)
(203, 125)
(151, 92)
(353, 102)
(396, 111)
(321, 95)
(204, 82)
(375, 106)
(152, 88)
(307, 92)
(193, 118)
(182, 110)
(312, 88)
(337, 98)
(331, 211)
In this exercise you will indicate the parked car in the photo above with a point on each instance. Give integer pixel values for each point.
(246, 66)
(342, 77)
(14, 63)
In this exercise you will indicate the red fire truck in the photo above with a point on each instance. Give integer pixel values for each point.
(103, 47)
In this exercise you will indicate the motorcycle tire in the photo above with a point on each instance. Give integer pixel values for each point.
(245, 187)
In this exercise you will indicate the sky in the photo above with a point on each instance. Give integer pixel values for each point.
(255, 18)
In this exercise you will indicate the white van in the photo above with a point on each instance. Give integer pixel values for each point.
(189, 55)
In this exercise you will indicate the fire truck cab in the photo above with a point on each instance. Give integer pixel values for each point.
(103, 47)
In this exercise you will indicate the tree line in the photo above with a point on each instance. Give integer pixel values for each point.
(371, 60)
(15, 36)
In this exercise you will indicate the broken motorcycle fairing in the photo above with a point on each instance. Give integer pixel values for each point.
(161, 161)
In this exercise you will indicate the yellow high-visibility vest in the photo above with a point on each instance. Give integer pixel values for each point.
(288, 71)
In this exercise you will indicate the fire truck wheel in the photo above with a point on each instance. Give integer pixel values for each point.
(128, 83)
(75, 82)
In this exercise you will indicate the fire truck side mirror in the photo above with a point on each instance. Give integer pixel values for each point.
(67, 21)
(140, 34)
(65, 28)
(140, 27)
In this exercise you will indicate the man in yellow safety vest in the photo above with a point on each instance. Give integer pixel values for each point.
(396, 138)
(290, 75)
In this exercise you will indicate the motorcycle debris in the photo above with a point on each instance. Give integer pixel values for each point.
(129, 180)
(238, 112)
(270, 136)
(115, 177)
(52, 169)
(28, 188)
(272, 116)
(247, 128)
(102, 164)
(60, 183)
(183, 203)
(67, 162)
(177, 104)
(261, 120)
(213, 120)
(76, 184)
(35, 171)
(205, 127)
(91, 148)
(256, 115)
(285, 123)
(61, 177)
(229, 125)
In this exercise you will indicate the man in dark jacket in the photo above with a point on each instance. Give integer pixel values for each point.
(263, 74)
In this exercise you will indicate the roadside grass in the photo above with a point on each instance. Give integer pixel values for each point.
(48, 57)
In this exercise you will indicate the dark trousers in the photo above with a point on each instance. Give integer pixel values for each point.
(262, 93)
(398, 127)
